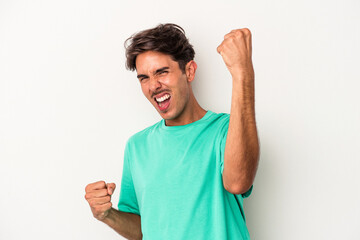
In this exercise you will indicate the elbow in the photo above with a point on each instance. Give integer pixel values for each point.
(238, 188)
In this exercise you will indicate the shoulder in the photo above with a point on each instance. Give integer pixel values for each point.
(143, 134)
(223, 116)
(220, 118)
(220, 124)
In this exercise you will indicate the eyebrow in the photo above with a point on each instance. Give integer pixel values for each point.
(156, 72)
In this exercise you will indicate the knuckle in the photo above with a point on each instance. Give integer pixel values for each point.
(228, 40)
(104, 192)
(247, 31)
(240, 34)
(98, 193)
(91, 202)
(102, 183)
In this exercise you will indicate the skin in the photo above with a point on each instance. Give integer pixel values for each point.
(158, 73)
(154, 80)
(242, 145)
(98, 195)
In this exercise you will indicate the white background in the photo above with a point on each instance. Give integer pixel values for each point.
(67, 107)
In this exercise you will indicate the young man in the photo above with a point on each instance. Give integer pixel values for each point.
(186, 176)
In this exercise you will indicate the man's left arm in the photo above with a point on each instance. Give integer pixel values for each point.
(242, 145)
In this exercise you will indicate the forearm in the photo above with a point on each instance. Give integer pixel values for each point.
(242, 147)
(126, 224)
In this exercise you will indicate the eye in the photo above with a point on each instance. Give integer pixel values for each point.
(141, 79)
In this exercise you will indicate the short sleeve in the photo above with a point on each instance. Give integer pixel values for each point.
(223, 134)
(248, 192)
(127, 201)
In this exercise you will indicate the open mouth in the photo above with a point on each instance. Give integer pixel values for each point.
(163, 102)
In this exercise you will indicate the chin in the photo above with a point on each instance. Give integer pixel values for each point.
(168, 115)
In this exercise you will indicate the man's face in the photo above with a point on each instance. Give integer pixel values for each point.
(163, 83)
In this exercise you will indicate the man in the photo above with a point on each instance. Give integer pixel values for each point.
(186, 176)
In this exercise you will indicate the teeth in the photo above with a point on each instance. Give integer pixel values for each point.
(163, 98)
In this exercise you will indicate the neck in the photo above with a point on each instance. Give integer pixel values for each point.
(193, 112)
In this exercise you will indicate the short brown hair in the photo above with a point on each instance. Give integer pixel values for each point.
(165, 38)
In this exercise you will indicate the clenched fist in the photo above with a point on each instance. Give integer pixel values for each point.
(98, 195)
(236, 51)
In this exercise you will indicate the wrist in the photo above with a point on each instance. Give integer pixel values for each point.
(242, 76)
(108, 217)
(242, 73)
(243, 90)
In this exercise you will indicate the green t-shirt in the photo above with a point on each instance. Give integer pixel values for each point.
(172, 178)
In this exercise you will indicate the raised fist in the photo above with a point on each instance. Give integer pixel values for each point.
(98, 195)
(236, 51)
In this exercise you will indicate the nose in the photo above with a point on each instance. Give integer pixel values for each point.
(154, 84)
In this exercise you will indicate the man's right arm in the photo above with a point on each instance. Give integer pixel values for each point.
(98, 195)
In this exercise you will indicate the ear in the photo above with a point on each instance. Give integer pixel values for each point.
(190, 70)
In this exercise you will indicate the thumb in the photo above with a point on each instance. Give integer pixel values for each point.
(110, 188)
